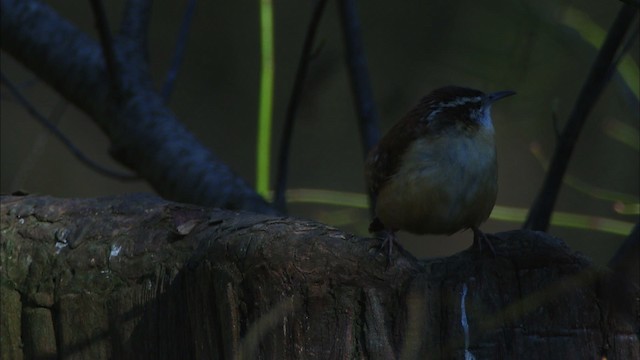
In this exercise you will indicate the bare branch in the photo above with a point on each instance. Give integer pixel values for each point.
(360, 84)
(135, 27)
(178, 53)
(62, 137)
(294, 101)
(145, 135)
(540, 213)
(108, 48)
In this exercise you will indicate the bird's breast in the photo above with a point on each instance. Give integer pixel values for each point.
(444, 184)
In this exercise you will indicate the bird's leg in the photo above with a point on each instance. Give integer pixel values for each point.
(478, 238)
(389, 240)
(388, 237)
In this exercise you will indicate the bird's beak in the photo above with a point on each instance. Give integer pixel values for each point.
(493, 97)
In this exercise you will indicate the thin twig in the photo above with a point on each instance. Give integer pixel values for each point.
(108, 49)
(55, 131)
(279, 200)
(629, 42)
(28, 164)
(178, 53)
(556, 124)
(627, 92)
(133, 31)
(540, 214)
(360, 84)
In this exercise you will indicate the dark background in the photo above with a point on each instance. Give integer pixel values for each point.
(527, 46)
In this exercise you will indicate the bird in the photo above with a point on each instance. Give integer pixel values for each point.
(436, 170)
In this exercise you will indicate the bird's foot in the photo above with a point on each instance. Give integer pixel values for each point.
(387, 236)
(479, 238)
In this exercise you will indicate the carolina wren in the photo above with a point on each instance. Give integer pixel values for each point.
(435, 171)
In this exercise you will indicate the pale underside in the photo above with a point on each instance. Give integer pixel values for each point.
(444, 185)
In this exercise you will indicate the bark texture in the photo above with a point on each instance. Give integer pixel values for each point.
(134, 277)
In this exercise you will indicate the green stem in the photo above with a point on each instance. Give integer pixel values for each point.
(263, 146)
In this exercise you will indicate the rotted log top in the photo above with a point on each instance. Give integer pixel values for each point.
(135, 276)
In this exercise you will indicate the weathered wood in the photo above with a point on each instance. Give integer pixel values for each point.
(39, 333)
(138, 277)
(10, 321)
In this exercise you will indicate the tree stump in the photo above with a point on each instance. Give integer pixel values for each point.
(135, 277)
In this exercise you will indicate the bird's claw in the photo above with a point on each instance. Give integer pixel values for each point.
(479, 238)
(388, 239)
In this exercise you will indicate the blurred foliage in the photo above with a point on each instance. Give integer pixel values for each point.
(594, 35)
(628, 201)
(502, 213)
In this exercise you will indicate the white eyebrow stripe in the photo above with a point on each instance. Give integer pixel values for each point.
(432, 114)
(460, 101)
(436, 109)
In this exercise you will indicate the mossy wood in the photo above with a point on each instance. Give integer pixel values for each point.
(134, 277)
